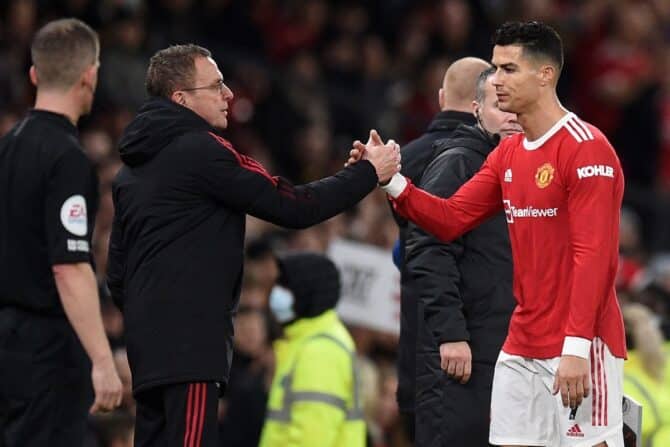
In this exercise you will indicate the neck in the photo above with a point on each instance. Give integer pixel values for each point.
(58, 102)
(456, 108)
(540, 117)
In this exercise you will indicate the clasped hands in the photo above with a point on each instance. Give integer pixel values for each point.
(385, 157)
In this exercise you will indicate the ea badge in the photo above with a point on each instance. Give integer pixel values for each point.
(544, 175)
(73, 215)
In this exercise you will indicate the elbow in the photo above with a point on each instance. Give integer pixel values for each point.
(64, 271)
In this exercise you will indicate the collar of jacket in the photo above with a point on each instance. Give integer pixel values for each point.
(469, 137)
(449, 120)
(306, 327)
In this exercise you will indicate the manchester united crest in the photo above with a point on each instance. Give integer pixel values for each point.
(544, 175)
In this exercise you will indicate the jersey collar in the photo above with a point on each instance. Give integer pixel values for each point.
(536, 144)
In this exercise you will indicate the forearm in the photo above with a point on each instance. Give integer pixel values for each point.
(303, 206)
(474, 202)
(78, 292)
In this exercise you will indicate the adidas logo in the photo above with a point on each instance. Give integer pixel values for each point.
(508, 176)
(575, 432)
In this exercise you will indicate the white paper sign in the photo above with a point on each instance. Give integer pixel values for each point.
(632, 416)
(370, 286)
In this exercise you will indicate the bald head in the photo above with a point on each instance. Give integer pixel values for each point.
(459, 84)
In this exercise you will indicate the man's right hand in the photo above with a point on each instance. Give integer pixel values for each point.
(107, 386)
(384, 157)
(456, 360)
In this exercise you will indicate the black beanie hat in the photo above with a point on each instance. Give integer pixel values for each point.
(314, 281)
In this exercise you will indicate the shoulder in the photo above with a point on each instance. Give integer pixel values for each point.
(202, 146)
(583, 140)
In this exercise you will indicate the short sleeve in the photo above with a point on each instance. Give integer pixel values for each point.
(70, 207)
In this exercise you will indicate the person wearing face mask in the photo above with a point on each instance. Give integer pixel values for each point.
(464, 290)
(314, 398)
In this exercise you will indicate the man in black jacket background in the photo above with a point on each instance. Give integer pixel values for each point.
(455, 99)
(176, 248)
(464, 290)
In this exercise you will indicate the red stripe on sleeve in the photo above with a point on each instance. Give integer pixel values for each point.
(246, 162)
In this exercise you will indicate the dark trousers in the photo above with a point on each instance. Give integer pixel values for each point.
(179, 415)
(451, 414)
(45, 387)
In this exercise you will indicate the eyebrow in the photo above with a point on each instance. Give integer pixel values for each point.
(505, 65)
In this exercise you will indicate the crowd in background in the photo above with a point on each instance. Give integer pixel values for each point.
(311, 76)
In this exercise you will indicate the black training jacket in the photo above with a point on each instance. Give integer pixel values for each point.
(415, 157)
(464, 288)
(176, 249)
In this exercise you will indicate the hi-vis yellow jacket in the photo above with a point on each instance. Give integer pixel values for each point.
(314, 399)
(654, 397)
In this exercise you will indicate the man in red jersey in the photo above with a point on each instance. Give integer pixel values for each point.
(558, 379)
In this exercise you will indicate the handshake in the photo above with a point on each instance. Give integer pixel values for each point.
(384, 157)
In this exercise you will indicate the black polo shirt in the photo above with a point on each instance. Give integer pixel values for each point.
(48, 202)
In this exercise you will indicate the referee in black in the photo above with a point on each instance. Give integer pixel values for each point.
(49, 305)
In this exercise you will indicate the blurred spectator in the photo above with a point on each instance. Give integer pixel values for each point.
(314, 398)
(644, 374)
(242, 411)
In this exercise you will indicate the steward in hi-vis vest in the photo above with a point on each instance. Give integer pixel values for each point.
(314, 399)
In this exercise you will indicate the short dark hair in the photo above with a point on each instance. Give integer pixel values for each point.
(536, 38)
(61, 51)
(480, 85)
(173, 68)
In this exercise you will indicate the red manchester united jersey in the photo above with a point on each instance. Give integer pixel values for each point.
(562, 197)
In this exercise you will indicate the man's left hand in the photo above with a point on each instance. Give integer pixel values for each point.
(572, 380)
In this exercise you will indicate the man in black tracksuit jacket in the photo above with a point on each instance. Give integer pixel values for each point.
(464, 291)
(176, 249)
(455, 99)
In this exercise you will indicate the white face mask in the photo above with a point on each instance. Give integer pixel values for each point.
(281, 304)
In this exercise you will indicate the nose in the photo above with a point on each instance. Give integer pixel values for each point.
(495, 79)
(227, 93)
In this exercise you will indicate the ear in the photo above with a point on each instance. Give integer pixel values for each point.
(475, 108)
(33, 75)
(440, 98)
(90, 76)
(178, 97)
(547, 75)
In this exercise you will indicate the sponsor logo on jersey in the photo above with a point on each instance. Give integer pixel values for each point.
(508, 175)
(512, 212)
(544, 175)
(575, 432)
(595, 171)
(73, 215)
(77, 245)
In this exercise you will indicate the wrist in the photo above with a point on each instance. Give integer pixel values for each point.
(396, 185)
(576, 346)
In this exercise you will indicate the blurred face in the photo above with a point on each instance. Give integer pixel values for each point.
(517, 79)
(491, 118)
(209, 96)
